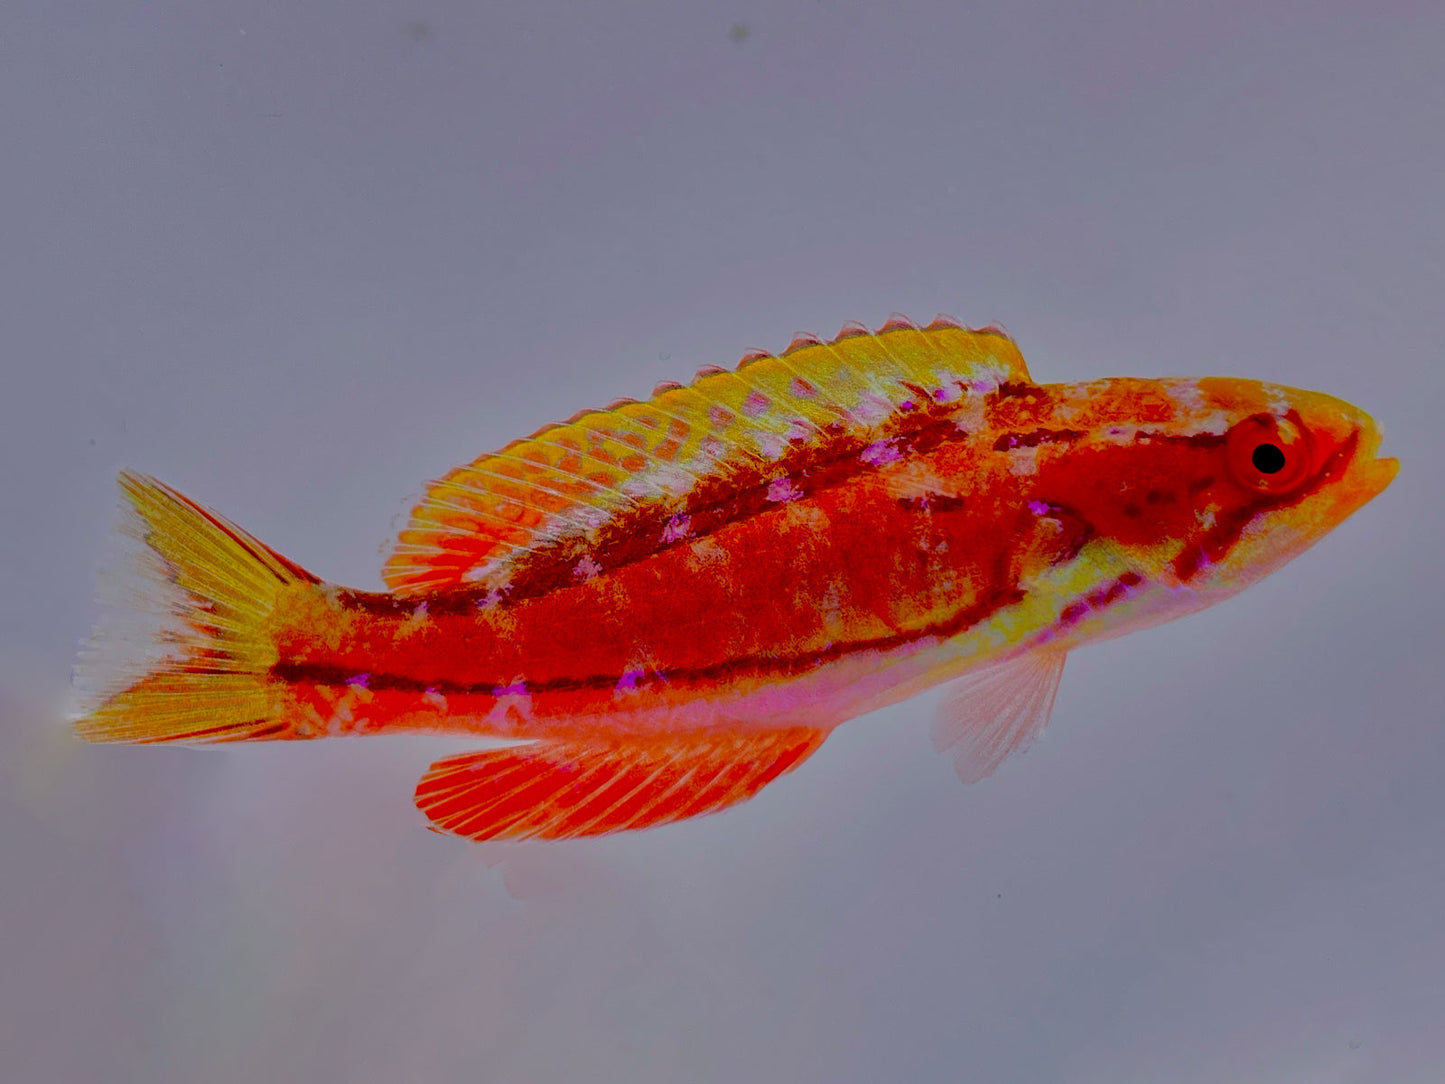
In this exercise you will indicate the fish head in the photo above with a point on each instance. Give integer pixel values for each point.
(1208, 485)
(1295, 464)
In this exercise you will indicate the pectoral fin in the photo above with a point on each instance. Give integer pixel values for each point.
(564, 790)
(989, 714)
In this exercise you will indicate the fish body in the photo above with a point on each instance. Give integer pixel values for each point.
(676, 601)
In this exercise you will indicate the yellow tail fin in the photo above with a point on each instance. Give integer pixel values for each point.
(183, 653)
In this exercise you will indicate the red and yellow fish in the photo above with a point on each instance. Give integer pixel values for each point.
(675, 601)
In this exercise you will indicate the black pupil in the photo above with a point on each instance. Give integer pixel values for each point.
(1268, 459)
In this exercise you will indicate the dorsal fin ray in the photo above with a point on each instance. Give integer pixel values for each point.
(556, 489)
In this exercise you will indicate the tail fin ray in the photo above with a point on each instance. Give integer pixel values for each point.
(183, 652)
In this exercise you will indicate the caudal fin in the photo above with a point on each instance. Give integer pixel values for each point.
(182, 653)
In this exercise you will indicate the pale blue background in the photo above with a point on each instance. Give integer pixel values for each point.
(297, 258)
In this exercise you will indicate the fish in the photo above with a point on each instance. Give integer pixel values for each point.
(662, 606)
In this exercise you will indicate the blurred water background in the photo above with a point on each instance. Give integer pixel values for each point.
(295, 259)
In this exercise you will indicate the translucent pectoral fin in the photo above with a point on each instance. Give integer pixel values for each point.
(987, 715)
(564, 790)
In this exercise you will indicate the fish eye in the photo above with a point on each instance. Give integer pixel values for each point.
(1268, 454)
(1268, 458)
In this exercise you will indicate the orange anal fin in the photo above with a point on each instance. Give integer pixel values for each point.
(997, 711)
(566, 790)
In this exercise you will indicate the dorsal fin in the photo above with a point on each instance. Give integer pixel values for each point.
(556, 488)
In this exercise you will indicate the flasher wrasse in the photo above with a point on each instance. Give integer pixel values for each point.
(673, 602)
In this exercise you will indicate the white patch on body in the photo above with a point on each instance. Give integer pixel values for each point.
(1023, 460)
(414, 623)
(672, 479)
(772, 445)
(513, 704)
(804, 514)
(915, 480)
(880, 452)
(1186, 394)
(1277, 399)
(593, 517)
(969, 418)
(783, 489)
(343, 718)
(707, 552)
(872, 408)
(1216, 423)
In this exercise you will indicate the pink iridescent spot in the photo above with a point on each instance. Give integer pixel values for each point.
(359, 681)
(678, 527)
(802, 388)
(755, 404)
(627, 683)
(1040, 508)
(517, 688)
(880, 452)
(783, 489)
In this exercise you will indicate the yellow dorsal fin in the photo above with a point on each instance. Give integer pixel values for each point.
(558, 488)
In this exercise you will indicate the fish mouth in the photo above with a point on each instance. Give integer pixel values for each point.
(1382, 472)
(1373, 472)
(1347, 487)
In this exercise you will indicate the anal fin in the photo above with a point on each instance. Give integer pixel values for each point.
(987, 715)
(570, 789)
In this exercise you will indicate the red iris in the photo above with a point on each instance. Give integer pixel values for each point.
(1269, 454)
